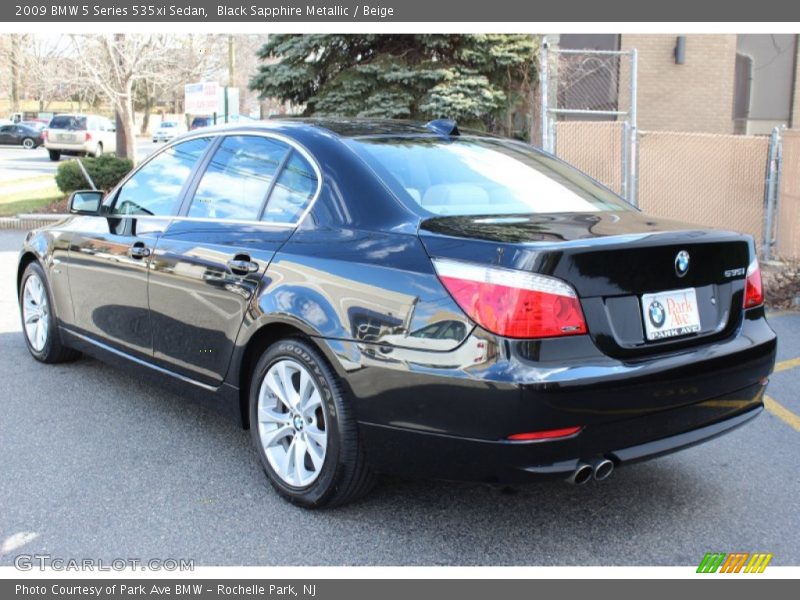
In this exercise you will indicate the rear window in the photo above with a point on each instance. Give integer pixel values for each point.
(68, 122)
(481, 176)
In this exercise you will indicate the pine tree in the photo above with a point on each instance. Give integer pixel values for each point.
(479, 80)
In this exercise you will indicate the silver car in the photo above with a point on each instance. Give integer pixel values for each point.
(80, 135)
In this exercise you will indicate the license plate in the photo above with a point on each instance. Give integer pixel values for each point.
(670, 314)
(65, 137)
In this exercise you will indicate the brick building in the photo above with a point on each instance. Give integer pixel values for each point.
(719, 83)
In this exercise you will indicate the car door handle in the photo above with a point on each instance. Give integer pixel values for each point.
(138, 250)
(242, 265)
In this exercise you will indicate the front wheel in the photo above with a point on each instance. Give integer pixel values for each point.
(39, 320)
(303, 428)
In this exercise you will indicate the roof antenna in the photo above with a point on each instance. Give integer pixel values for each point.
(443, 126)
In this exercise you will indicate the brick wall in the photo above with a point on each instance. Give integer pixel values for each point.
(695, 96)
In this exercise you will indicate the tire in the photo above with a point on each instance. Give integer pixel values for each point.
(36, 307)
(54, 155)
(29, 143)
(342, 475)
(98, 150)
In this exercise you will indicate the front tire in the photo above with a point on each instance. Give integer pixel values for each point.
(303, 428)
(39, 324)
(54, 155)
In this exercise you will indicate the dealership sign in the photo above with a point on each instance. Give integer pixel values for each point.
(202, 98)
(208, 97)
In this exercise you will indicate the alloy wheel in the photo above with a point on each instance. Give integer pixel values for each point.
(35, 312)
(291, 423)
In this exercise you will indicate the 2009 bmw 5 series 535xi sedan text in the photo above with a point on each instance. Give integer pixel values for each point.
(387, 297)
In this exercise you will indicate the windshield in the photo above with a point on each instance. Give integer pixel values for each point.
(481, 176)
(68, 122)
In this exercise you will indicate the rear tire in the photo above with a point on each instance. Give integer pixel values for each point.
(304, 429)
(28, 143)
(39, 322)
(54, 155)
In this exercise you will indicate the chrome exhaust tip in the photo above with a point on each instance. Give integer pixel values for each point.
(602, 468)
(582, 474)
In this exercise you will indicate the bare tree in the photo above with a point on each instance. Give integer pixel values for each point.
(114, 63)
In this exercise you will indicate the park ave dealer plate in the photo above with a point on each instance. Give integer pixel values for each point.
(670, 314)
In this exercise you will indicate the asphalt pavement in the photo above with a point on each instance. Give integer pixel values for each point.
(97, 464)
(28, 168)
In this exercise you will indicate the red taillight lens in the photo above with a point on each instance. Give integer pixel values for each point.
(88, 137)
(513, 303)
(44, 134)
(549, 434)
(753, 291)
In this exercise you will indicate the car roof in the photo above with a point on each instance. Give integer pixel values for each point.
(343, 127)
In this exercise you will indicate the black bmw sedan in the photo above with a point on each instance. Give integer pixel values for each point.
(386, 297)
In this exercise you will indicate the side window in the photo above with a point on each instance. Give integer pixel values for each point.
(7, 129)
(155, 188)
(238, 178)
(292, 192)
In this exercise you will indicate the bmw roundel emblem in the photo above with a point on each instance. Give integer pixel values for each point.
(657, 314)
(682, 263)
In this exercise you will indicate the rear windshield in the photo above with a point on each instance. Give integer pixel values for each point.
(481, 176)
(68, 122)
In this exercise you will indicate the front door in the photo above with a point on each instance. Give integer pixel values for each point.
(110, 255)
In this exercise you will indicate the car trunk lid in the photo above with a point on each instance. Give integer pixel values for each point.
(617, 262)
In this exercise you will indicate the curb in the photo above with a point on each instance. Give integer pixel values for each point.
(29, 221)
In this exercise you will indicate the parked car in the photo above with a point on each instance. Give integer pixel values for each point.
(388, 297)
(20, 135)
(80, 135)
(200, 122)
(166, 131)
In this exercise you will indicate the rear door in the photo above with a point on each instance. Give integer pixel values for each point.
(210, 262)
(110, 255)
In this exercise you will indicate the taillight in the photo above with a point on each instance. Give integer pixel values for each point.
(44, 134)
(753, 291)
(549, 434)
(88, 137)
(513, 303)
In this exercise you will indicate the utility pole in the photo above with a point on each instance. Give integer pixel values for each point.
(231, 61)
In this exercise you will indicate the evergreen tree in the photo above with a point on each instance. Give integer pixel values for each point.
(479, 80)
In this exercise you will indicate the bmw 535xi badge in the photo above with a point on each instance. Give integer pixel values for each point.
(682, 263)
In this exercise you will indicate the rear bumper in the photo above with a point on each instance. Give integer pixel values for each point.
(67, 148)
(454, 423)
(412, 453)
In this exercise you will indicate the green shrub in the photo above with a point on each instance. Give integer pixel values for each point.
(106, 171)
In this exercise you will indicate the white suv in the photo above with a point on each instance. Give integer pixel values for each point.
(83, 135)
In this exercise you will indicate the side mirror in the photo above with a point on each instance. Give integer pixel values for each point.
(85, 202)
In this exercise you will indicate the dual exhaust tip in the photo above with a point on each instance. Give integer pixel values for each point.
(598, 468)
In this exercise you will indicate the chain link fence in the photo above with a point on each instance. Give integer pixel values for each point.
(707, 179)
(788, 209)
(589, 112)
(596, 147)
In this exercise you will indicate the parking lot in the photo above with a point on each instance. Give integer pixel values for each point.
(96, 464)
(22, 169)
